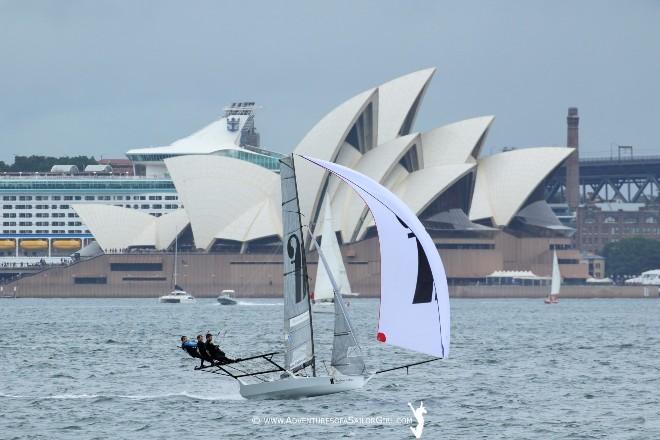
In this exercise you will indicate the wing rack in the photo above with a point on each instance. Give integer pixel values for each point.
(231, 369)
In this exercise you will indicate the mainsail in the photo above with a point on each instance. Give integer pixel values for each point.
(298, 335)
(556, 276)
(414, 306)
(323, 289)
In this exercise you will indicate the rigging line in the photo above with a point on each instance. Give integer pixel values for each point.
(292, 271)
(437, 304)
(285, 164)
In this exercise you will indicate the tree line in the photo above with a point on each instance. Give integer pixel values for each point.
(631, 256)
(43, 164)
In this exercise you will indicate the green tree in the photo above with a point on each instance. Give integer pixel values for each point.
(43, 164)
(632, 256)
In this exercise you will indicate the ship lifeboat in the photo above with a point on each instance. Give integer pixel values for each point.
(7, 245)
(34, 245)
(66, 245)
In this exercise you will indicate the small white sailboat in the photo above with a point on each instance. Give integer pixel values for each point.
(323, 294)
(553, 298)
(178, 294)
(5, 295)
(414, 308)
(226, 298)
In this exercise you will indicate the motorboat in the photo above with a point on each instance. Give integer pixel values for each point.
(226, 298)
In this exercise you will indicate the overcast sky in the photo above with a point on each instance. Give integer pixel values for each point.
(96, 77)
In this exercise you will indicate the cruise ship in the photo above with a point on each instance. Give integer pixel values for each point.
(39, 224)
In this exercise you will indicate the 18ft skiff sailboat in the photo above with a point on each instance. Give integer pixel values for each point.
(414, 307)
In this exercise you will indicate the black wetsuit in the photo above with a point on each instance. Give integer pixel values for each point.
(217, 354)
(203, 354)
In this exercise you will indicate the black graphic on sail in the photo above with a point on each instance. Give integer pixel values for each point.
(295, 254)
(424, 285)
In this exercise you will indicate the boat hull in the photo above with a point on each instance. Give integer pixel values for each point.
(301, 387)
(226, 301)
(172, 300)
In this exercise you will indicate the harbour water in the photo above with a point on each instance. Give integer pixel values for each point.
(518, 369)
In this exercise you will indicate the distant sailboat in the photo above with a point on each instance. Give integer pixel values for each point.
(323, 289)
(553, 298)
(178, 294)
(4, 295)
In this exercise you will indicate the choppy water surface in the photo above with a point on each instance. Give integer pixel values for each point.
(109, 369)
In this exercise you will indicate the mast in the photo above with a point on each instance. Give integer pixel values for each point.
(298, 328)
(176, 246)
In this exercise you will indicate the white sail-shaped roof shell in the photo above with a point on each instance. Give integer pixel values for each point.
(227, 198)
(231, 199)
(456, 143)
(377, 164)
(420, 188)
(398, 103)
(115, 227)
(505, 180)
(327, 138)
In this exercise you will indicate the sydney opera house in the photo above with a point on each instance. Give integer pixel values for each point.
(486, 213)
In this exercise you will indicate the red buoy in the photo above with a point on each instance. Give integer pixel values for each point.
(381, 337)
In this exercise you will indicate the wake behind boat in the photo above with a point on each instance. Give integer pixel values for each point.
(414, 309)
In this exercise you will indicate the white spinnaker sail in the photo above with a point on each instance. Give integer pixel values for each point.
(323, 290)
(556, 276)
(414, 300)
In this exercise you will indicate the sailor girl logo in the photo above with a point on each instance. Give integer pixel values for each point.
(294, 252)
(419, 416)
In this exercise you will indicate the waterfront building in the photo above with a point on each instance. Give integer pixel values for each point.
(485, 213)
(602, 223)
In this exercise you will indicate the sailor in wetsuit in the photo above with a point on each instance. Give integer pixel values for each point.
(202, 350)
(215, 352)
(189, 347)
